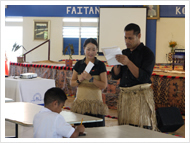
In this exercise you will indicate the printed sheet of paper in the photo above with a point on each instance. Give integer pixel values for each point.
(110, 53)
(89, 67)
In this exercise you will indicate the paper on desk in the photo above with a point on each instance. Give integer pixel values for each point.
(89, 67)
(110, 53)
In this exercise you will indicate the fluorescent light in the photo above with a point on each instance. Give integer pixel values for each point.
(13, 19)
(89, 19)
(71, 19)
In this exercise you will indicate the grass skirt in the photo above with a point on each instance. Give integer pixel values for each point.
(136, 106)
(89, 99)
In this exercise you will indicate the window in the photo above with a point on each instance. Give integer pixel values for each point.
(70, 32)
(87, 32)
(13, 33)
(77, 30)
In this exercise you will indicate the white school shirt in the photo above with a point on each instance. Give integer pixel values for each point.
(48, 124)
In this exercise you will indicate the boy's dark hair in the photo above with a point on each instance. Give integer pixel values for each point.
(54, 94)
(134, 27)
(90, 40)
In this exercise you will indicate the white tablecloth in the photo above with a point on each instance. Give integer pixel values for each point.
(27, 90)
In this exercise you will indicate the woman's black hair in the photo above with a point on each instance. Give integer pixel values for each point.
(90, 40)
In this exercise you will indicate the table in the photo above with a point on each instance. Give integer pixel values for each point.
(123, 131)
(8, 100)
(22, 113)
(27, 90)
(168, 87)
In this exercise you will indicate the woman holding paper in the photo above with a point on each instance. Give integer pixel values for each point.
(90, 75)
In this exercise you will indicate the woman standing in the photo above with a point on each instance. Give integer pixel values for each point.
(90, 85)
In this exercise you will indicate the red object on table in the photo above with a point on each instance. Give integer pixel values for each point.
(6, 68)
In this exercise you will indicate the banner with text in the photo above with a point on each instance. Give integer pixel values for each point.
(80, 10)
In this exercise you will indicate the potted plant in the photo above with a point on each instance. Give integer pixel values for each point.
(69, 62)
(172, 45)
(20, 59)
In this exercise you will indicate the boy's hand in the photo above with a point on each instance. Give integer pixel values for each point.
(73, 125)
(80, 128)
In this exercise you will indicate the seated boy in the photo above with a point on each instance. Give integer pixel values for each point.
(48, 123)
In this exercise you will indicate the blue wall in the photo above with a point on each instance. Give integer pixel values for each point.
(151, 34)
(80, 10)
(92, 11)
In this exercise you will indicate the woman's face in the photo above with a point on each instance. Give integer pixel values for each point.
(90, 51)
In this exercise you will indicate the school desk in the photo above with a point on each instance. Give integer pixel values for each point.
(23, 113)
(8, 100)
(123, 131)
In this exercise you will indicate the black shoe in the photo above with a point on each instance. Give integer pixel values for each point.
(148, 127)
(133, 125)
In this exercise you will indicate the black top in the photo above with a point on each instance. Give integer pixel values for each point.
(144, 59)
(98, 68)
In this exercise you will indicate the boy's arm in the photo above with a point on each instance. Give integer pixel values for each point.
(78, 129)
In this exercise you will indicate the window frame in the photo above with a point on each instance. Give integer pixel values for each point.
(81, 25)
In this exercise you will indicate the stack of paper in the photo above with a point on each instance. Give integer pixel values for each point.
(89, 67)
(110, 53)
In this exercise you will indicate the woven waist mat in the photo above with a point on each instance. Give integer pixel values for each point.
(136, 106)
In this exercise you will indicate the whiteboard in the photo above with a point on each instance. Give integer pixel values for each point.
(112, 21)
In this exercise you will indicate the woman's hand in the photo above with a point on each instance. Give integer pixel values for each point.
(81, 78)
(86, 75)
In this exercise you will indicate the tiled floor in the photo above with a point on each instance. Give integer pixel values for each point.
(27, 132)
